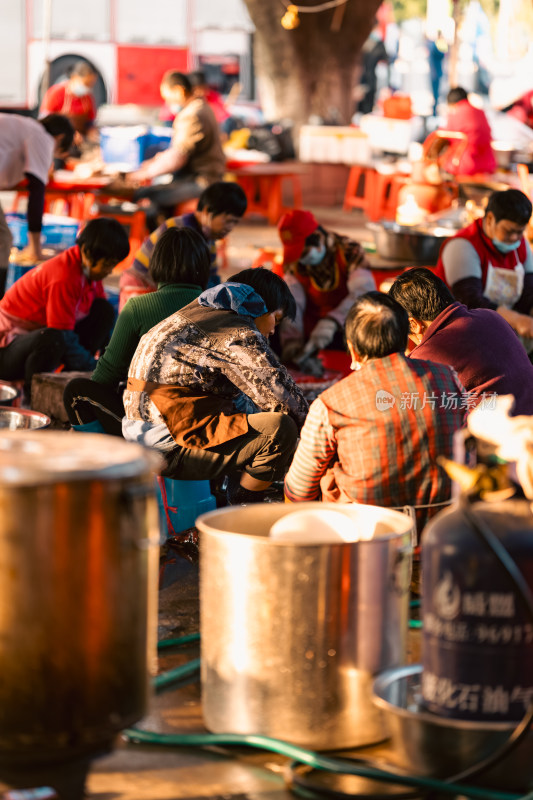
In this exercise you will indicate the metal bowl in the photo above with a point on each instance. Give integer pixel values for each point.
(7, 393)
(411, 244)
(14, 419)
(434, 746)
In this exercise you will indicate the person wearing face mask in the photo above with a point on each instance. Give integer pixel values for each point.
(206, 390)
(57, 313)
(375, 436)
(326, 272)
(220, 207)
(73, 98)
(193, 161)
(27, 150)
(489, 263)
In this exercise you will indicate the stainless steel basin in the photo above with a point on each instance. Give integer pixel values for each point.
(409, 244)
(435, 746)
(14, 419)
(7, 393)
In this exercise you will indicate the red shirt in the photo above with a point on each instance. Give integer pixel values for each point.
(486, 251)
(478, 156)
(56, 294)
(59, 100)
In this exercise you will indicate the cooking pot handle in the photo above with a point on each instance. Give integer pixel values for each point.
(401, 582)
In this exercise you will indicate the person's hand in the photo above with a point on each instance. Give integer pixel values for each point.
(311, 365)
(321, 335)
(291, 351)
(521, 323)
(135, 178)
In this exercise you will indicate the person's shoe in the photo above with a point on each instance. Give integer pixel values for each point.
(237, 495)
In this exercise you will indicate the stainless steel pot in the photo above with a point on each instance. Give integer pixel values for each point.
(410, 244)
(293, 633)
(78, 559)
(15, 419)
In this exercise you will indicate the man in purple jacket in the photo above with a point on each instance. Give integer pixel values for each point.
(478, 343)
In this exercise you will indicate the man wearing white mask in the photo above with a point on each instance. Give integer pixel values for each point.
(326, 273)
(489, 264)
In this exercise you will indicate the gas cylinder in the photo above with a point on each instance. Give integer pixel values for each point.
(477, 650)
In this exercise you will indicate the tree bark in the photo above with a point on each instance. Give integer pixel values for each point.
(311, 70)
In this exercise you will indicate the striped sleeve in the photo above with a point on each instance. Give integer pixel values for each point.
(144, 255)
(316, 451)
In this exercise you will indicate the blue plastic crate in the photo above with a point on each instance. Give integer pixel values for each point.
(124, 146)
(18, 225)
(58, 232)
(16, 271)
(159, 138)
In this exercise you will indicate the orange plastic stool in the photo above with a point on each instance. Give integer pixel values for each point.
(134, 222)
(186, 207)
(384, 198)
(359, 188)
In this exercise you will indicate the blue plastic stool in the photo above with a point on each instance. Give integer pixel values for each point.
(180, 503)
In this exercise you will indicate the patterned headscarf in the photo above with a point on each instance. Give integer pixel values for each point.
(237, 297)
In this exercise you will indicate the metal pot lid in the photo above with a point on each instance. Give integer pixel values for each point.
(37, 457)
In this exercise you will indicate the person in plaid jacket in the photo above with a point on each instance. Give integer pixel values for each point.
(374, 437)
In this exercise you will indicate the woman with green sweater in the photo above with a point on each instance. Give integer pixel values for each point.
(180, 267)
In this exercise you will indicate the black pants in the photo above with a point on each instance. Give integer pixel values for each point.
(86, 401)
(264, 452)
(164, 198)
(45, 349)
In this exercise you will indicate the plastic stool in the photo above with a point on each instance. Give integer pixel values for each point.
(180, 503)
(186, 207)
(134, 223)
(384, 201)
(360, 176)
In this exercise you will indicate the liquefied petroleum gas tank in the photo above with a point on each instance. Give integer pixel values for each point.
(477, 652)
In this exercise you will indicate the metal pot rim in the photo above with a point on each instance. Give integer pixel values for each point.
(396, 675)
(41, 457)
(205, 525)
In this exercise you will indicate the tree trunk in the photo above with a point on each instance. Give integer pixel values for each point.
(312, 69)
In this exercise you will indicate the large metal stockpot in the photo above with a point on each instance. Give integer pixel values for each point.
(410, 244)
(78, 593)
(292, 633)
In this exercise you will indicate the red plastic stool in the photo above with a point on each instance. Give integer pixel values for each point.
(384, 198)
(186, 207)
(359, 188)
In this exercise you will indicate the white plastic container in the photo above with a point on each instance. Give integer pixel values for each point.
(330, 144)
